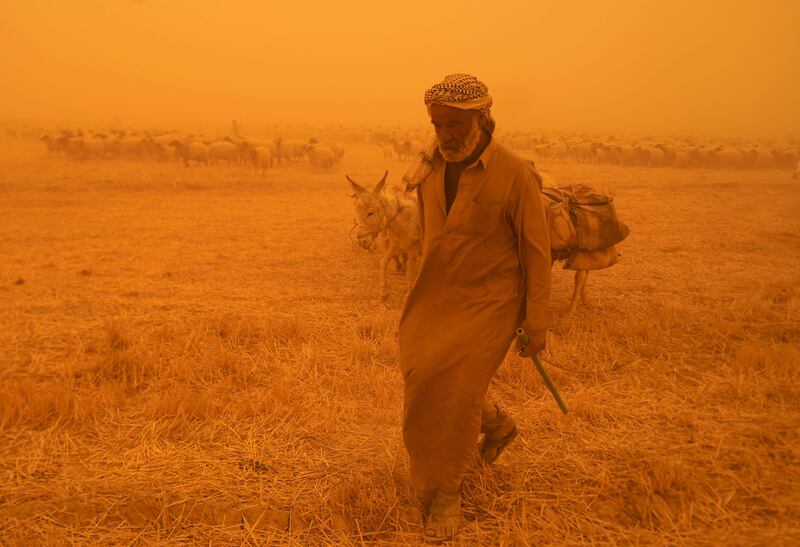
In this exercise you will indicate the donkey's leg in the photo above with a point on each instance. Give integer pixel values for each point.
(384, 265)
(580, 285)
(584, 299)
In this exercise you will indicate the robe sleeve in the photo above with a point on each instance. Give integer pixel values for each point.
(533, 240)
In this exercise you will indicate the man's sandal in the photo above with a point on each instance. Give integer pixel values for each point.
(444, 517)
(490, 447)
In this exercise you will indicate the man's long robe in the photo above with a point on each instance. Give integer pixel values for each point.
(485, 268)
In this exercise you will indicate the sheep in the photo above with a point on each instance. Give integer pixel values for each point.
(542, 151)
(72, 145)
(222, 150)
(298, 150)
(607, 154)
(583, 152)
(338, 149)
(273, 151)
(95, 146)
(760, 158)
(263, 158)
(320, 156)
(160, 152)
(655, 156)
(560, 150)
(54, 145)
(667, 155)
(402, 149)
(728, 157)
(627, 154)
(406, 149)
(162, 148)
(130, 146)
(681, 157)
(289, 150)
(194, 150)
(784, 158)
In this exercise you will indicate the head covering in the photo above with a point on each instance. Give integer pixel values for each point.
(465, 92)
(459, 91)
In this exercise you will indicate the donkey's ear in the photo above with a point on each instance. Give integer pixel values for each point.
(379, 186)
(356, 186)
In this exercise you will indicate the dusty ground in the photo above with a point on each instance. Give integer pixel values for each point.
(194, 355)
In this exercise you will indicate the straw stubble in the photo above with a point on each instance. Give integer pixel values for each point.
(199, 355)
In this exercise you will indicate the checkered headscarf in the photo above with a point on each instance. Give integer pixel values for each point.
(459, 91)
(465, 92)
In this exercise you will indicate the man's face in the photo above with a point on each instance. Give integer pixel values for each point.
(459, 131)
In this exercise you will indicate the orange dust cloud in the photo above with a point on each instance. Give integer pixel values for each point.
(712, 67)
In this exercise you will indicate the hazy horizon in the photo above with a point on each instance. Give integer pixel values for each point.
(657, 67)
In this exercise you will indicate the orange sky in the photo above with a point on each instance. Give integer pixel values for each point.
(703, 66)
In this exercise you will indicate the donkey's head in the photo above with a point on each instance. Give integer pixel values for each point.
(368, 203)
(365, 238)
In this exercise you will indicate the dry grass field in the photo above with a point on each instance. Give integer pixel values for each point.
(199, 356)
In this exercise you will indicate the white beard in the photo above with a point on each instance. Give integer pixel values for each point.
(467, 149)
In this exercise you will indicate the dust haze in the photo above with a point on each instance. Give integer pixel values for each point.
(199, 319)
(712, 68)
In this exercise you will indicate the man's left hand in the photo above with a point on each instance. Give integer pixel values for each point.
(537, 339)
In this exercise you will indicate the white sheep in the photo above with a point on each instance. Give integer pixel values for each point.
(320, 156)
(223, 150)
(194, 151)
(263, 158)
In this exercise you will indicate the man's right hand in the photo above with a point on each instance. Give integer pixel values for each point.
(537, 339)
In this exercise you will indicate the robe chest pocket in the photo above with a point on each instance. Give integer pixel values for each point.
(482, 218)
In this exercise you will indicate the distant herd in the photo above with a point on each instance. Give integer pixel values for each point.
(402, 143)
(193, 149)
(645, 151)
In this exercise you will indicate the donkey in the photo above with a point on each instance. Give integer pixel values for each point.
(584, 231)
(378, 213)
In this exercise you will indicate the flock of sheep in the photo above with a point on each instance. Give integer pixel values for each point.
(642, 151)
(645, 151)
(191, 149)
(402, 144)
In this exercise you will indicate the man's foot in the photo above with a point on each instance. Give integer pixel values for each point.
(499, 430)
(444, 517)
(491, 447)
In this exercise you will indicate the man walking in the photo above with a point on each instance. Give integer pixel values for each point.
(485, 271)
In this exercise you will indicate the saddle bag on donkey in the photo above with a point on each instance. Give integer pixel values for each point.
(584, 227)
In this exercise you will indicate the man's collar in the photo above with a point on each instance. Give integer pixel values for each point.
(486, 155)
